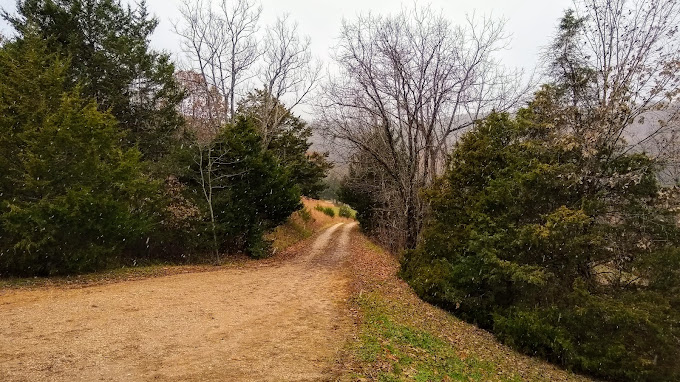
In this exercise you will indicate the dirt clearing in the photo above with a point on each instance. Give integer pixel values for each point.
(266, 322)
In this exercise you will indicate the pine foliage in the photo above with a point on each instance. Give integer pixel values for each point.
(71, 195)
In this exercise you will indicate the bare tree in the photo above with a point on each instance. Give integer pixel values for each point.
(201, 105)
(407, 84)
(202, 110)
(288, 74)
(619, 61)
(214, 162)
(221, 44)
(240, 20)
(202, 45)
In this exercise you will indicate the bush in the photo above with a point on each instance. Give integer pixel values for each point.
(71, 198)
(523, 244)
(289, 142)
(305, 215)
(252, 193)
(345, 211)
(622, 339)
(326, 210)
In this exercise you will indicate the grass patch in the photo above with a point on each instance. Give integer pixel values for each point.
(337, 209)
(345, 211)
(401, 338)
(330, 211)
(371, 246)
(391, 350)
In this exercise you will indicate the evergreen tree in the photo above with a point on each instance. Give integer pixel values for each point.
(288, 138)
(563, 256)
(550, 228)
(71, 197)
(108, 47)
(243, 188)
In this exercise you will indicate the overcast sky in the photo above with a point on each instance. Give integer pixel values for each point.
(530, 22)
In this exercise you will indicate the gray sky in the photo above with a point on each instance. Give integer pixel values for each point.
(530, 22)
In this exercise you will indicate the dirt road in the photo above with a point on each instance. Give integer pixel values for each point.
(275, 322)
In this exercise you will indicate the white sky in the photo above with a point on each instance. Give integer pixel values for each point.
(530, 22)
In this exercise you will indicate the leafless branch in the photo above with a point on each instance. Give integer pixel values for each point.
(407, 83)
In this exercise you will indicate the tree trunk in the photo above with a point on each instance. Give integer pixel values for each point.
(206, 185)
(412, 230)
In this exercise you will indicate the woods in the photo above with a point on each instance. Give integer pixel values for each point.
(555, 227)
(111, 156)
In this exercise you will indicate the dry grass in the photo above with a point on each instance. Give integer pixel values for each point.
(297, 229)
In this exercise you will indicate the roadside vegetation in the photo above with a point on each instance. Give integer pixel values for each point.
(301, 225)
(111, 157)
(554, 224)
(401, 338)
(341, 209)
(312, 218)
(565, 278)
(408, 353)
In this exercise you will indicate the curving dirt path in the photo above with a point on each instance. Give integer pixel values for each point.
(273, 322)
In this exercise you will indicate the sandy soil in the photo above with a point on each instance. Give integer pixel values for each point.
(265, 322)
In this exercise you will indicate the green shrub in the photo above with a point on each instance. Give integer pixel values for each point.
(252, 193)
(305, 215)
(289, 142)
(345, 211)
(627, 339)
(71, 198)
(326, 210)
(108, 45)
(517, 230)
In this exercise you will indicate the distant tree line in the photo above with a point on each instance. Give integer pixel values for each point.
(110, 156)
(554, 224)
